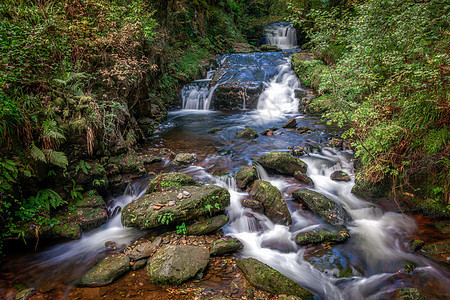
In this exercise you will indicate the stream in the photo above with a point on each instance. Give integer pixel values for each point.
(370, 265)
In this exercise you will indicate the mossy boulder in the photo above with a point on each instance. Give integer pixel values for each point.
(185, 158)
(267, 279)
(207, 226)
(170, 181)
(328, 210)
(106, 271)
(366, 189)
(282, 163)
(246, 176)
(225, 245)
(167, 208)
(173, 264)
(274, 205)
(340, 176)
(321, 236)
(247, 133)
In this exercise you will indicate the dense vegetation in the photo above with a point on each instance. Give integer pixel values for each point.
(382, 70)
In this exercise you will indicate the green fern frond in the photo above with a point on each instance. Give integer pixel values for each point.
(37, 153)
(58, 158)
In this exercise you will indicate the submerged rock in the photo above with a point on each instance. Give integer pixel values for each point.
(340, 176)
(106, 271)
(267, 279)
(328, 210)
(321, 236)
(173, 264)
(247, 133)
(246, 176)
(207, 226)
(214, 130)
(282, 163)
(185, 158)
(274, 205)
(292, 123)
(225, 245)
(169, 181)
(153, 210)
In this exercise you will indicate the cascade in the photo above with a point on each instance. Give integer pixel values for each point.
(282, 35)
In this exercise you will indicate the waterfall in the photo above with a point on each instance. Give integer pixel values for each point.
(282, 35)
(195, 95)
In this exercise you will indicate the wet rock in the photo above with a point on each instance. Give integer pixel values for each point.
(303, 178)
(365, 189)
(438, 251)
(299, 151)
(407, 293)
(321, 236)
(139, 264)
(230, 95)
(208, 226)
(151, 159)
(269, 48)
(106, 271)
(169, 181)
(281, 162)
(292, 123)
(141, 250)
(185, 158)
(332, 263)
(214, 130)
(274, 205)
(246, 176)
(340, 176)
(173, 264)
(254, 205)
(267, 279)
(247, 133)
(267, 132)
(152, 210)
(302, 130)
(416, 245)
(328, 210)
(225, 245)
(24, 294)
(300, 93)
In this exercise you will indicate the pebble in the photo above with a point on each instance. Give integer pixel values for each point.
(180, 196)
(186, 194)
(172, 203)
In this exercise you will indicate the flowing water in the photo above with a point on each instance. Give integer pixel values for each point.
(369, 265)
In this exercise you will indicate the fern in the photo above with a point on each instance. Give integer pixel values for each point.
(37, 153)
(46, 199)
(57, 158)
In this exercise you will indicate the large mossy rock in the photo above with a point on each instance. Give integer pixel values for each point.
(246, 176)
(106, 271)
(173, 264)
(168, 208)
(225, 245)
(247, 133)
(267, 279)
(328, 210)
(321, 236)
(169, 181)
(282, 163)
(207, 226)
(275, 207)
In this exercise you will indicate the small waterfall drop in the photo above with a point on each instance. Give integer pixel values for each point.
(197, 95)
(282, 35)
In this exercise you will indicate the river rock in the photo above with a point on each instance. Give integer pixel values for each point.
(321, 236)
(267, 279)
(269, 48)
(328, 210)
(246, 176)
(106, 271)
(282, 163)
(153, 210)
(340, 176)
(407, 293)
(170, 181)
(292, 123)
(225, 245)
(303, 129)
(274, 205)
(303, 178)
(173, 264)
(214, 130)
(247, 133)
(207, 226)
(438, 251)
(185, 158)
(144, 249)
(254, 205)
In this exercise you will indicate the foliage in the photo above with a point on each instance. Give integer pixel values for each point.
(165, 218)
(387, 77)
(181, 229)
